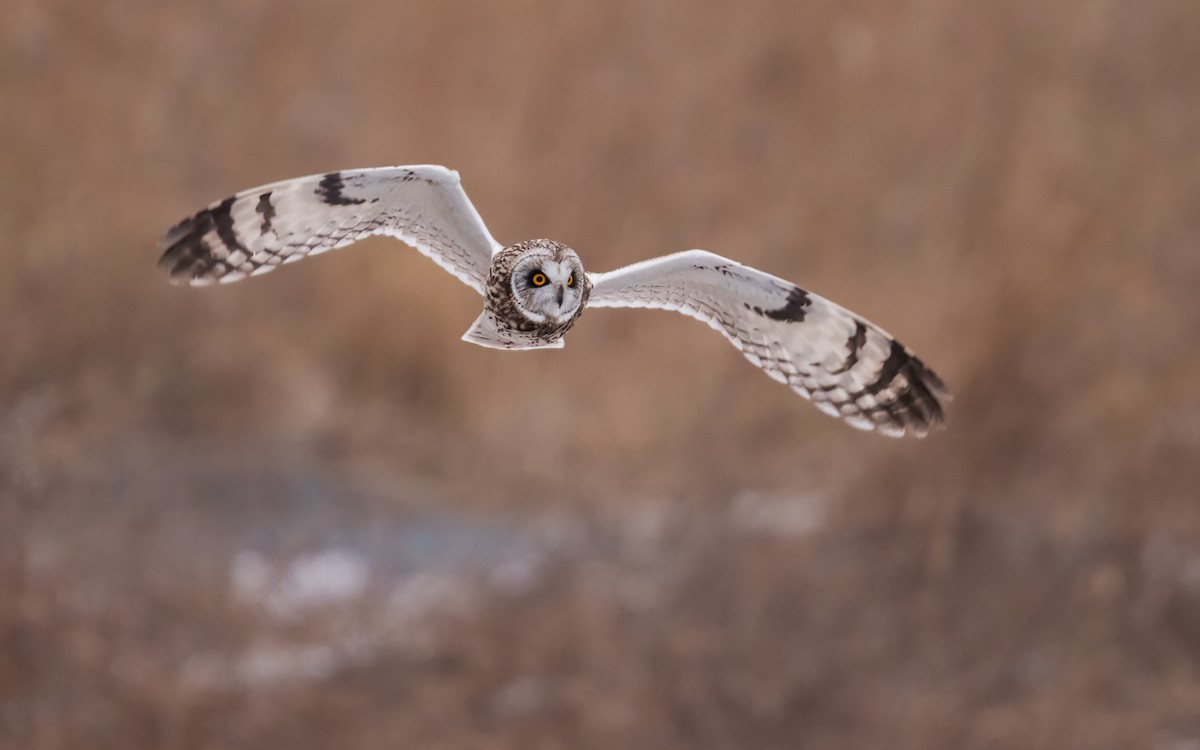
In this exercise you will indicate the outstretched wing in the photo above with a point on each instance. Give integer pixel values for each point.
(256, 230)
(847, 366)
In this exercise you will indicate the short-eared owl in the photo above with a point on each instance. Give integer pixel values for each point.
(534, 291)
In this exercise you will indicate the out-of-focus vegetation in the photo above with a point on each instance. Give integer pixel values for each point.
(299, 512)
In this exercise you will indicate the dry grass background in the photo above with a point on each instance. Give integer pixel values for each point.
(638, 541)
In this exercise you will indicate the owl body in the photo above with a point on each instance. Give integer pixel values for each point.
(535, 291)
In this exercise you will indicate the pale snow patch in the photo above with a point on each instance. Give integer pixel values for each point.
(780, 515)
(330, 576)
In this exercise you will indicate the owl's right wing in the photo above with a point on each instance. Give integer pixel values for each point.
(257, 230)
(847, 366)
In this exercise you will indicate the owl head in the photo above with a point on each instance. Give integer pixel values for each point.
(547, 282)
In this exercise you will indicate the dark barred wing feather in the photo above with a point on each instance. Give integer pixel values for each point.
(257, 230)
(847, 366)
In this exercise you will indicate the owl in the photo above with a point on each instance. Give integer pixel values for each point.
(535, 291)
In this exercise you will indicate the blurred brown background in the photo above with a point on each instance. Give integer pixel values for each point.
(299, 512)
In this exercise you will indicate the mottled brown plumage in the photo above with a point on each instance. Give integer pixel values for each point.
(502, 298)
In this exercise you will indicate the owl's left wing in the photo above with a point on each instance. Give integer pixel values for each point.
(847, 366)
(262, 228)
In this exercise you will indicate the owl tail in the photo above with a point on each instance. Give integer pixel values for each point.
(487, 332)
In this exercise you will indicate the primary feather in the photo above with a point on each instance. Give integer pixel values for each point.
(257, 230)
(846, 365)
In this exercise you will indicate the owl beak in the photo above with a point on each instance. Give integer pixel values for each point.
(561, 292)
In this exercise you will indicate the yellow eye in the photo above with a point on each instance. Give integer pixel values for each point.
(571, 280)
(538, 279)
